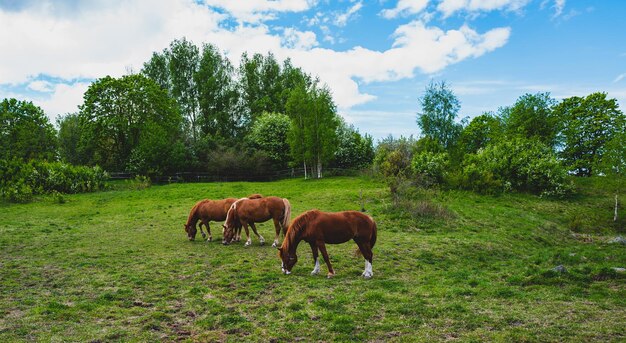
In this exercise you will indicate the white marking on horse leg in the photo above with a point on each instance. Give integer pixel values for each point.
(275, 244)
(316, 270)
(261, 240)
(248, 242)
(210, 239)
(368, 272)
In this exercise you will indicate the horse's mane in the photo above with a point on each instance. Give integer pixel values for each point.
(232, 220)
(297, 226)
(194, 211)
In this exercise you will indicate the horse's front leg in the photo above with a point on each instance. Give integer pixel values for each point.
(314, 250)
(237, 235)
(208, 231)
(248, 240)
(202, 232)
(261, 239)
(322, 246)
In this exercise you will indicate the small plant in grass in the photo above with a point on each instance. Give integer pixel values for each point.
(140, 182)
(58, 197)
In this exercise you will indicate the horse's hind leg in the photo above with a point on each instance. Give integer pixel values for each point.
(366, 250)
(314, 250)
(261, 239)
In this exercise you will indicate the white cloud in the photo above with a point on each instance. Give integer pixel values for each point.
(404, 7)
(255, 11)
(299, 40)
(99, 40)
(65, 99)
(95, 41)
(559, 5)
(40, 86)
(449, 7)
(343, 18)
(619, 78)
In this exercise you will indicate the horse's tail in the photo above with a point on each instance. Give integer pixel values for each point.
(286, 216)
(357, 252)
(374, 234)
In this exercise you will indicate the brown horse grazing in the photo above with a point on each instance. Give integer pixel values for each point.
(209, 210)
(317, 228)
(246, 212)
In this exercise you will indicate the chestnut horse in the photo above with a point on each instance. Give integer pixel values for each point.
(317, 228)
(209, 210)
(247, 211)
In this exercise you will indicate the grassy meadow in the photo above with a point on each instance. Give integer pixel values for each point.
(450, 265)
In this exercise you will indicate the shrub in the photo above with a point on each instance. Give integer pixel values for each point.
(430, 165)
(518, 164)
(19, 181)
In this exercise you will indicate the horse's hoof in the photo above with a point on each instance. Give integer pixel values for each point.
(330, 275)
(262, 243)
(315, 272)
(247, 244)
(367, 276)
(210, 239)
(274, 245)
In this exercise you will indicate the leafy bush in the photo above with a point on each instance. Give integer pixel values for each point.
(432, 166)
(518, 164)
(393, 156)
(19, 181)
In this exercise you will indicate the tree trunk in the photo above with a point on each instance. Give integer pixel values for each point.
(319, 167)
(615, 215)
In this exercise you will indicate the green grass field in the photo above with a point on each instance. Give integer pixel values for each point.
(116, 266)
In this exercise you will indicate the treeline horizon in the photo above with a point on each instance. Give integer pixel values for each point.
(190, 110)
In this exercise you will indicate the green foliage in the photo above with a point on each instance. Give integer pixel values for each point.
(217, 94)
(261, 85)
(25, 131)
(353, 151)
(130, 124)
(234, 164)
(440, 108)
(313, 135)
(269, 134)
(531, 117)
(589, 124)
(614, 157)
(183, 62)
(21, 180)
(483, 130)
(393, 156)
(517, 164)
(432, 166)
(69, 139)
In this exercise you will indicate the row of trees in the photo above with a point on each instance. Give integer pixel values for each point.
(531, 146)
(190, 109)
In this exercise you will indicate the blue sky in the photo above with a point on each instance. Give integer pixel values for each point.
(376, 56)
